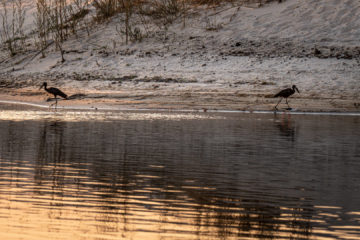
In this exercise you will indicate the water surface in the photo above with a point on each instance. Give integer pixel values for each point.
(158, 175)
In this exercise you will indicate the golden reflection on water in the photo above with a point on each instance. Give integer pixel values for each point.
(77, 211)
(43, 210)
(150, 180)
(74, 116)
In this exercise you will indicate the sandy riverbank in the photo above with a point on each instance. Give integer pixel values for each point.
(226, 58)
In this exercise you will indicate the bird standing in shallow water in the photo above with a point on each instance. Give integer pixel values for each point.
(54, 91)
(285, 94)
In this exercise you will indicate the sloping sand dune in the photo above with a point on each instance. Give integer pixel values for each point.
(240, 52)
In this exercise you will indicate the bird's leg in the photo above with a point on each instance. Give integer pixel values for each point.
(278, 103)
(54, 103)
(287, 103)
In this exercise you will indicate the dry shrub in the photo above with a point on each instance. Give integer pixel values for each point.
(105, 9)
(79, 15)
(209, 2)
(162, 8)
(163, 12)
(12, 31)
(166, 8)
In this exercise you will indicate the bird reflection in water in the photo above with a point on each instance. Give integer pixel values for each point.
(285, 125)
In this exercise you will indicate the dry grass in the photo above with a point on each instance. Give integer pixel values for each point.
(217, 2)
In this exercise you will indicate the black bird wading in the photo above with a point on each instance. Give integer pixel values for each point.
(54, 91)
(285, 94)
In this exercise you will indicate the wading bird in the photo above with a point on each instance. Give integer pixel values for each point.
(54, 91)
(285, 94)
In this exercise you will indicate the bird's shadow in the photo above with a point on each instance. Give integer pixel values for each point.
(53, 99)
(72, 97)
(281, 110)
(76, 96)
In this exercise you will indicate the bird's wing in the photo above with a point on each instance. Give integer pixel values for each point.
(283, 92)
(57, 91)
(62, 94)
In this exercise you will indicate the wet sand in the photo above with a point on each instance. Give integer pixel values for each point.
(155, 99)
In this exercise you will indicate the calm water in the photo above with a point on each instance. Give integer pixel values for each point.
(127, 175)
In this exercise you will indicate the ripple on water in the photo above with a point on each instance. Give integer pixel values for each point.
(209, 177)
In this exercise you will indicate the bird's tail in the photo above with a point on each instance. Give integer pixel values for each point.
(276, 95)
(63, 95)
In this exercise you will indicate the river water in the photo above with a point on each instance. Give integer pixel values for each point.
(161, 175)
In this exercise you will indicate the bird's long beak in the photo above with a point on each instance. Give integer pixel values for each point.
(41, 86)
(297, 89)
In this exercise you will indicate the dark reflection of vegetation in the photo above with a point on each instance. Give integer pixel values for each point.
(50, 152)
(235, 187)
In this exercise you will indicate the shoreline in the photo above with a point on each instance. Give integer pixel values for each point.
(10, 105)
(185, 101)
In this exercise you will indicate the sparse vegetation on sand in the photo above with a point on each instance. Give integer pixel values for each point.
(236, 48)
